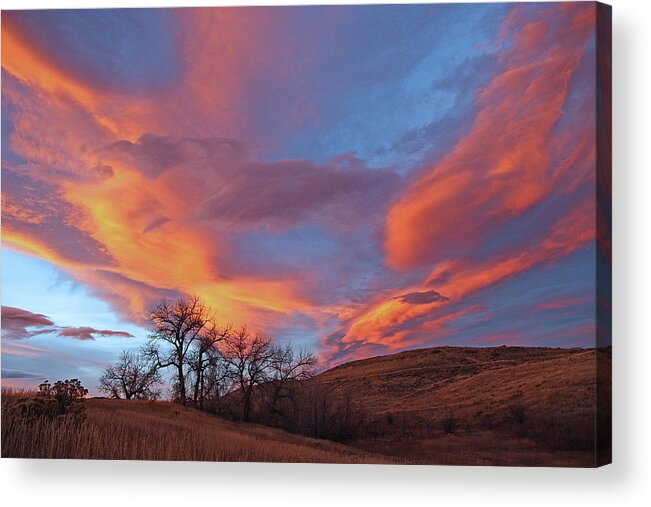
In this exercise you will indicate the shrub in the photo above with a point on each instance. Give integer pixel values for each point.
(449, 424)
(518, 414)
(487, 423)
(61, 400)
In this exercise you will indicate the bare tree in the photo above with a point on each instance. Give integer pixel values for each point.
(217, 380)
(175, 327)
(286, 367)
(249, 358)
(205, 361)
(132, 377)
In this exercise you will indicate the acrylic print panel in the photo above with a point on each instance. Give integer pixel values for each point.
(351, 234)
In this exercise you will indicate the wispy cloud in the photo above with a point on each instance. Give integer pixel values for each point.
(514, 161)
(20, 374)
(18, 324)
(237, 159)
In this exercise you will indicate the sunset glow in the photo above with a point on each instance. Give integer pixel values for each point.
(357, 180)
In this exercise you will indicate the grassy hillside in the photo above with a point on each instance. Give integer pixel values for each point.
(506, 405)
(471, 380)
(117, 429)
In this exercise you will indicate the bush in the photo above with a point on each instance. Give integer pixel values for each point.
(449, 424)
(487, 423)
(517, 415)
(61, 400)
(568, 434)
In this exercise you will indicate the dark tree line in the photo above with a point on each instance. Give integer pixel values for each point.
(230, 371)
(213, 367)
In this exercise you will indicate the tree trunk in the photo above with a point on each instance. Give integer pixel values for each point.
(201, 389)
(247, 405)
(274, 402)
(199, 369)
(182, 396)
(195, 397)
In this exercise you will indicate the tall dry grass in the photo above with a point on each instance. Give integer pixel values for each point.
(136, 430)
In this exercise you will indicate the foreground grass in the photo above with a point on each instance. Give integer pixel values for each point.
(137, 430)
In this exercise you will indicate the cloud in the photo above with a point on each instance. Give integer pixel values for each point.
(16, 322)
(516, 154)
(182, 189)
(238, 192)
(15, 348)
(34, 208)
(155, 223)
(171, 215)
(286, 194)
(106, 199)
(396, 325)
(153, 155)
(136, 215)
(421, 298)
(565, 303)
(516, 192)
(19, 324)
(87, 333)
(20, 374)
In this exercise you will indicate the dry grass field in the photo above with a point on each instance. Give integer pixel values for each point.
(458, 406)
(141, 430)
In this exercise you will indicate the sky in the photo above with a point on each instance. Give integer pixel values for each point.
(357, 180)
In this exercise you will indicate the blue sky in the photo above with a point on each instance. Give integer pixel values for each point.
(321, 173)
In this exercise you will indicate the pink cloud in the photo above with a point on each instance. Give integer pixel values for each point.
(19, 324)
(565, 303)
(520, 152)
(14, 348)
(509, 162)
(16, 322)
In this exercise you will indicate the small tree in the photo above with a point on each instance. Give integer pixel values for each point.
(132, 377)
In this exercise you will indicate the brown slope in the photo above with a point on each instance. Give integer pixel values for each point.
(471, 382)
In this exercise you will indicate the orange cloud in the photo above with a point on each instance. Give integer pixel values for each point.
(515, 157)
(27, 62)
(459, 278)
(506, 165)
(456, 280)
(142, 224)
(155, 206)
(23, 60)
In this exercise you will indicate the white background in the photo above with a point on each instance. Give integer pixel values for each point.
(626, 482)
